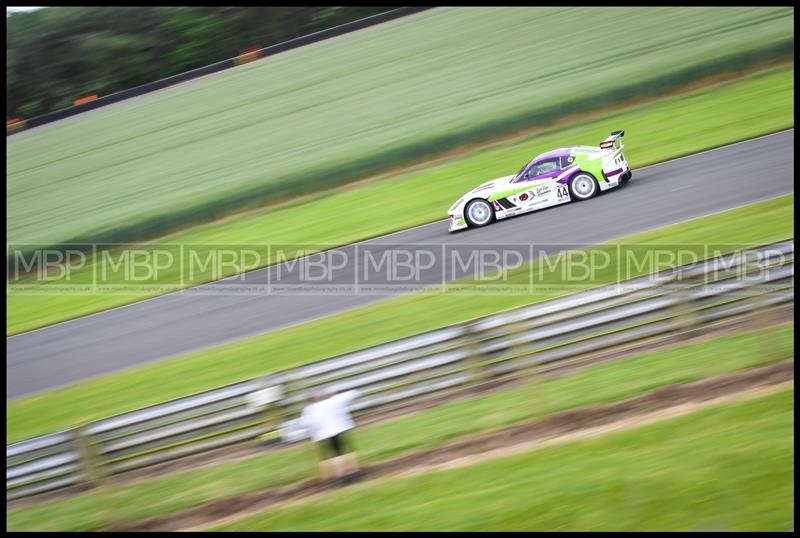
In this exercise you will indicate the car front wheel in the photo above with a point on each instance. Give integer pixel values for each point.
(583, 186)
(479, 213)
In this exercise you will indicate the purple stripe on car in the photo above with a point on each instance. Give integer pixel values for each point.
(566, 174)
(614, 173)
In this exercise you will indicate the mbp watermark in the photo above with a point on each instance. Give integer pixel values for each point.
(377, 268)
(47, 264)
(569, 266)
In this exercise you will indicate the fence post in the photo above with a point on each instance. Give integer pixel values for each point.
(683, 314)
(766, 317)
(90, 464)
(266, 401)
(283, 410)
(271, 423)
(94, 472)
(475, 360)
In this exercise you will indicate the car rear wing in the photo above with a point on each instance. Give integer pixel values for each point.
(614, 141)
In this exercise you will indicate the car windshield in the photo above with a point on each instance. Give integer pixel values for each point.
(521, 172)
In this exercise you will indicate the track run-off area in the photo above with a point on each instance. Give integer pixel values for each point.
(212, 314)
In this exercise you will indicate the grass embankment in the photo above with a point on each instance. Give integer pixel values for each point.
(757, 223)
(618, 380)
(656, 131)
(328, 113)
(726, 468)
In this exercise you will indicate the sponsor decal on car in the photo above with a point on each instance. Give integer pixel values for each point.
(541, 191)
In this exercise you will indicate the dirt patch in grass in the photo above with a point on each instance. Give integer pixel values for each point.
(658, 403)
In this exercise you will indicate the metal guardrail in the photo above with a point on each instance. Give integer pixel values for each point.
(414, 369)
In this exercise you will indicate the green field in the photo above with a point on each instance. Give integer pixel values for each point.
(621, 379)
(725, 468)
(757, 223)
(656, 131)
(356, 105)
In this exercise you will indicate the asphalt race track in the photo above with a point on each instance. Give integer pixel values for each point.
(179, 322)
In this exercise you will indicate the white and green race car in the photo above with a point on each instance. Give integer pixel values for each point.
(556, 177)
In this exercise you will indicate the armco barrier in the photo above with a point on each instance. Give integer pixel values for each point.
(215, 67)
(411, 370)
(15, 126)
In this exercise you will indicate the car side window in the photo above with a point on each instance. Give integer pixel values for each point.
(544, 167)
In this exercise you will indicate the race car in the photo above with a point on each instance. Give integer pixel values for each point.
(557, 177)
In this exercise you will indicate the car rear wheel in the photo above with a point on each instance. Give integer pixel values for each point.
(479, 213)
(583, 186)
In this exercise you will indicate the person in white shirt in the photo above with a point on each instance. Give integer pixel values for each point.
(327, 420)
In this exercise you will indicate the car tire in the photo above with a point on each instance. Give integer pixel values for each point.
(478, 212)
(626, 177)
(583, 186)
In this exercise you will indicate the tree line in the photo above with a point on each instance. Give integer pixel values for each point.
(59, 54)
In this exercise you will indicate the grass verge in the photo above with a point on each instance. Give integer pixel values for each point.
(761, 222)
(618, 380)
(656, 132)
(725, 468)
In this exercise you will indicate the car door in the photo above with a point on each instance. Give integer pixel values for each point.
(539, 176)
